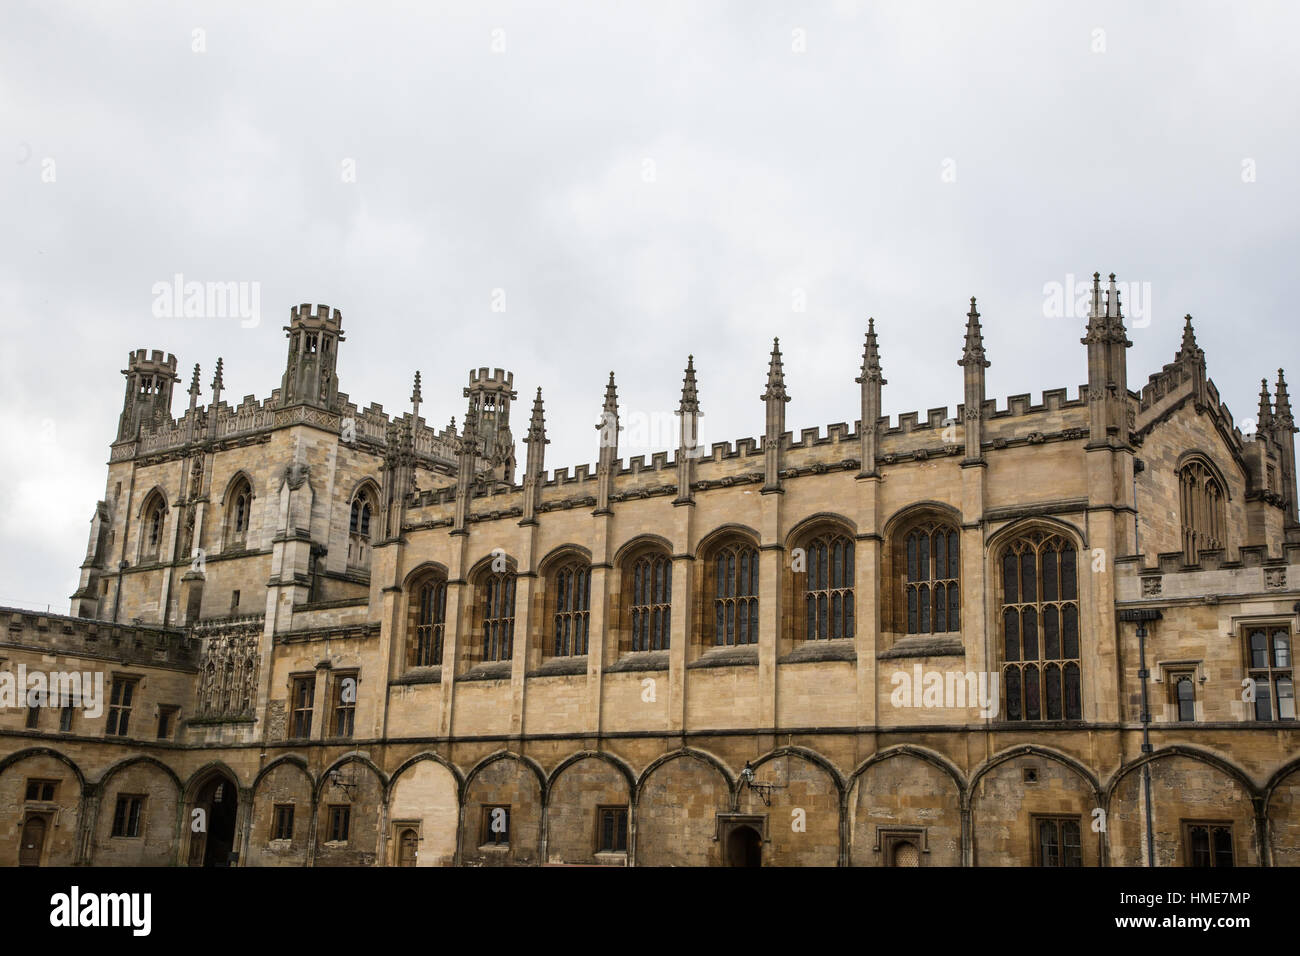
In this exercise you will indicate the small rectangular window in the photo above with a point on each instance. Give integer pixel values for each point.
(282, 828)
(304, 694)
(1208, 843)
(65, 718)
(344, 704)
(1056, 841)
(234, 601)
(119, 709)
(340, 822)
(127, 815)
(33, 718)
(1268, 665)
(496, 826)
(166, 722)
(42, 790)
(613, 829)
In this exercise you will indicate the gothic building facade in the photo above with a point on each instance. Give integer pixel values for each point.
(1055, 633)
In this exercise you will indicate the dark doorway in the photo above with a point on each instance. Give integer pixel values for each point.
(744, 847)
(219, 800)
(33, 842)
(408, 846)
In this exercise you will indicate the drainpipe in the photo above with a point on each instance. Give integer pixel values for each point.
(1141, 616)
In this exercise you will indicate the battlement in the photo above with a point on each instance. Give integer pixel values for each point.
(499, 378)
(322, 318)
(144, 360)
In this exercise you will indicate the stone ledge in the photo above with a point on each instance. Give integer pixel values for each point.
(841, 649)
(496, 670)
(557, 666)
(420, 675)
(917, 646)
(728, 657)
(639, 661)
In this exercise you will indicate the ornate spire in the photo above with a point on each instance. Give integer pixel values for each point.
(416, 397)
(1265, 408)
(871, 358)
(1282, 405)
(537, 423)
(775, 376)
(608, 424)
(973, 354)
(1189, 351)
(690, 403)
(217, 383)
(194, 382)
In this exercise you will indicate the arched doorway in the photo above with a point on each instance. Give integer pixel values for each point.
(33, 842)
(212, 844)
(744, 847)
(407, 847)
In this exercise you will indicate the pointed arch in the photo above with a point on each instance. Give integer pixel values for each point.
(427, 755)
(204, 774)
(352, 756)
(812, 757)
(685, 752)
(239, 474)
(632, 546)
(628, 775)
(127, 762)
(492, 758)
(932, 757)
(1192, 753)
(290, 760)
(21, 755)
(1036, 750)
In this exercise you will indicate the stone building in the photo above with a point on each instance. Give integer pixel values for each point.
(1053, 632)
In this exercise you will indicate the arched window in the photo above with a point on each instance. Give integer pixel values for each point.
(1040, 628)
(1201, 495)
(650, 604)
(932, 585)
(363, 507)
(428, 621)
(151, 531)
(734, 571)
(571, 617)
(827, 587)
(239, 508)
(498, 590)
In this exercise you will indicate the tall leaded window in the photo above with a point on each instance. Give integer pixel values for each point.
(735, 595)
(652, 599)
(430, 622)
(933, 582)
(359, 529)
(828, 588)
(155, 515)
(1184, 693)
(240, 511)
(1201, 495)
(1040, 629)
(572, 609)
(1268, 650)
(498, 616)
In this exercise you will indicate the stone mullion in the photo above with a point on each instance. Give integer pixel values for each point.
(455, 632)
(867, 555)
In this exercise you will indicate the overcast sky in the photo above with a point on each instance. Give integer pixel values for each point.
(633, 182)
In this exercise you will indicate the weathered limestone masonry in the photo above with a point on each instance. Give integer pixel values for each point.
(1052, 633)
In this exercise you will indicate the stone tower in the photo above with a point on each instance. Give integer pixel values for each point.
(489, 408)
(310, 372)
(149, 382)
